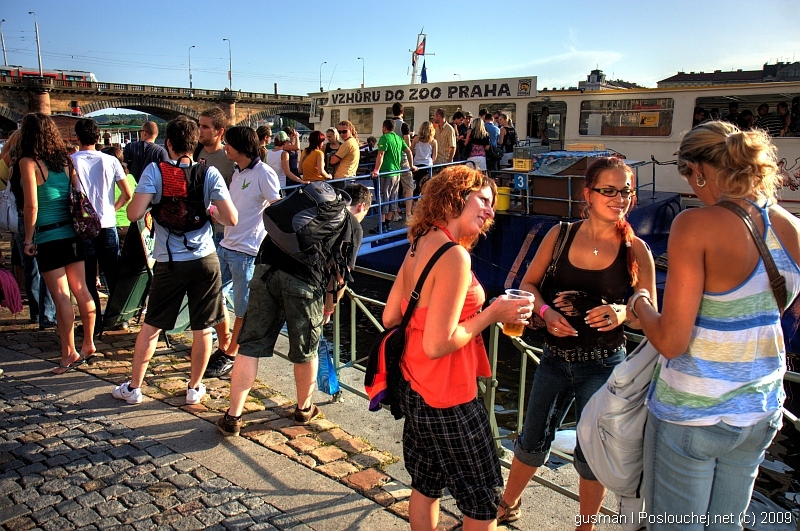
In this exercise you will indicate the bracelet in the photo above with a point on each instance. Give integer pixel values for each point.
(29, 243)
(636, 296)
(325, 312)
(543, 309)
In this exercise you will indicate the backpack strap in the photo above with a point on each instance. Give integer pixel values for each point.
(412, 303)
(776, 280)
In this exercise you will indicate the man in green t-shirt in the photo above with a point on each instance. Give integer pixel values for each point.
(390, 150)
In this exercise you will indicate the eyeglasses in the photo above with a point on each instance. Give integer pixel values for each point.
(612, 192)
(343, 131)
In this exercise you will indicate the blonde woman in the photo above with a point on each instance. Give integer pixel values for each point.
(715, 400)
(425, 149)
(477, 145)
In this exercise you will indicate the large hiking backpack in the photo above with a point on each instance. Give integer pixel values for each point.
(312, 225)
(182, 207)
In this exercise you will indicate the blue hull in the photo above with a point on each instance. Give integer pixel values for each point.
(501, 259)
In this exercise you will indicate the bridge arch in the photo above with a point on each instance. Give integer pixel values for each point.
(9, 119)
(162, 108)
(295, 112)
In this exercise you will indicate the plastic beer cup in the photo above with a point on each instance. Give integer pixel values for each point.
(516, 329)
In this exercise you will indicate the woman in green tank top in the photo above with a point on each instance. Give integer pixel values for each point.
(48, 222)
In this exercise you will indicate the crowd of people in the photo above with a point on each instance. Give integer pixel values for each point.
(775, 124)
(715, 400)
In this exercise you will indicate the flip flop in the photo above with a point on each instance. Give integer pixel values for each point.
(71, 367)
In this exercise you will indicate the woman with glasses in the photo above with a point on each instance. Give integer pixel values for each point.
(583, 305)
(715, 401)
(347, 157)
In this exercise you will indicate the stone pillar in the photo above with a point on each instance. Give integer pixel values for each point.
(229, 107)
(39, 100)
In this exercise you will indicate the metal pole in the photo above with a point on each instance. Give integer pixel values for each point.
(190, 69)
(38, 48)
(362, 72)
(320, 76)
(230, 65)
(3, 41)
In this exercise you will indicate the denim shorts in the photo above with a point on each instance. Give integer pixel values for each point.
(237, 271)
(277, 297)
(556, 385)
(702, 470)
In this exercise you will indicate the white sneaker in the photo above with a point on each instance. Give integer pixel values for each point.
(194, 396)
(123, 392)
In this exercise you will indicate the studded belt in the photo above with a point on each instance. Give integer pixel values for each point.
(578, 354)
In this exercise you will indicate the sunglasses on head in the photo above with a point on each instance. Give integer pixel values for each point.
(612, 192)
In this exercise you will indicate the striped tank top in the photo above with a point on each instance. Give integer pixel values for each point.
(732, 370)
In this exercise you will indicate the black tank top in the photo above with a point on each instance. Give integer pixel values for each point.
(593, 288)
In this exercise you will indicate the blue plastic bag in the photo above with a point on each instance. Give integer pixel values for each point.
(327, 379)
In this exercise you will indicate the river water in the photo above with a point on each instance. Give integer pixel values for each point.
(778, 480)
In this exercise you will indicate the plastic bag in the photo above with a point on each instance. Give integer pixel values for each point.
(327, 379)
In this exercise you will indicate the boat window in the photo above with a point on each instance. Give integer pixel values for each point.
(5, 72)
(335, 113)
(361, 120)
(746, 115)
(449, 111)
(635, 117)
(509, 108)
(408, 115)
(555, 120)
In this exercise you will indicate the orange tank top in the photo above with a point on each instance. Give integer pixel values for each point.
(452, 379)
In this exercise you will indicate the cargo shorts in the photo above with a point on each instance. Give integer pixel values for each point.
(276, 298)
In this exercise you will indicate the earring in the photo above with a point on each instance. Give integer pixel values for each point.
(701, 181)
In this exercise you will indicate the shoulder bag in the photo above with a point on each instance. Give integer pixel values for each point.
(776, 280)
(9, 215)
(84, 216)
(383, 364)
(561, 242)
(611, 428)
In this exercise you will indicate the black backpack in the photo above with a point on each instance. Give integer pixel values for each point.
(182, 207)
(312, 226)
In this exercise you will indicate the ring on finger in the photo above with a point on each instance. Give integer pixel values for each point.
(555, 329)
(608, 320)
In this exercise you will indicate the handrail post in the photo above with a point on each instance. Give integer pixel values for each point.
(491, 387)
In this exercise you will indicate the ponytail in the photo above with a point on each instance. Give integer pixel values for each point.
(625, 232)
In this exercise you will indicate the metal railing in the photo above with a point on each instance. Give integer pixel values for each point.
(487, 386)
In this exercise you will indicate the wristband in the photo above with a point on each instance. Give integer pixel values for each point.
(328, 312)
(212, 209)
(636, 296)
(542, 310)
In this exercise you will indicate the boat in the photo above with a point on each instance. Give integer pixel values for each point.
(642, 125)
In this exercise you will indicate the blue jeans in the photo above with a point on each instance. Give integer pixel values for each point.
(103, 249)
(237, 271)
(40, 303)
(702, 470)
(556, 384)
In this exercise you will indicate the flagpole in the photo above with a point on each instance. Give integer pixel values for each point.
(415, 56)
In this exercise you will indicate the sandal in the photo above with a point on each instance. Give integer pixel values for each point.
(510, 513)
(71, 367)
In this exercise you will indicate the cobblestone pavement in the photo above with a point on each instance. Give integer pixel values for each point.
(66, 468)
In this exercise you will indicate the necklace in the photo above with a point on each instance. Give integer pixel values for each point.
(447, 232)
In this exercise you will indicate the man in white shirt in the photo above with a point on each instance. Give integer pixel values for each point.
(98, 173)
(253, 187)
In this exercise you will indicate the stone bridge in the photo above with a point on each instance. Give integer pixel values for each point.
(22, 95)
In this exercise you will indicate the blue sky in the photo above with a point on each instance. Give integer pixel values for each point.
(147, 42)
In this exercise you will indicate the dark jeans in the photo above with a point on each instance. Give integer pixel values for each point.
(103, 249)
(40, 303)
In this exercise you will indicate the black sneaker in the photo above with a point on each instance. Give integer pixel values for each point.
(229, 426)
(305, 416)
(219, 365)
